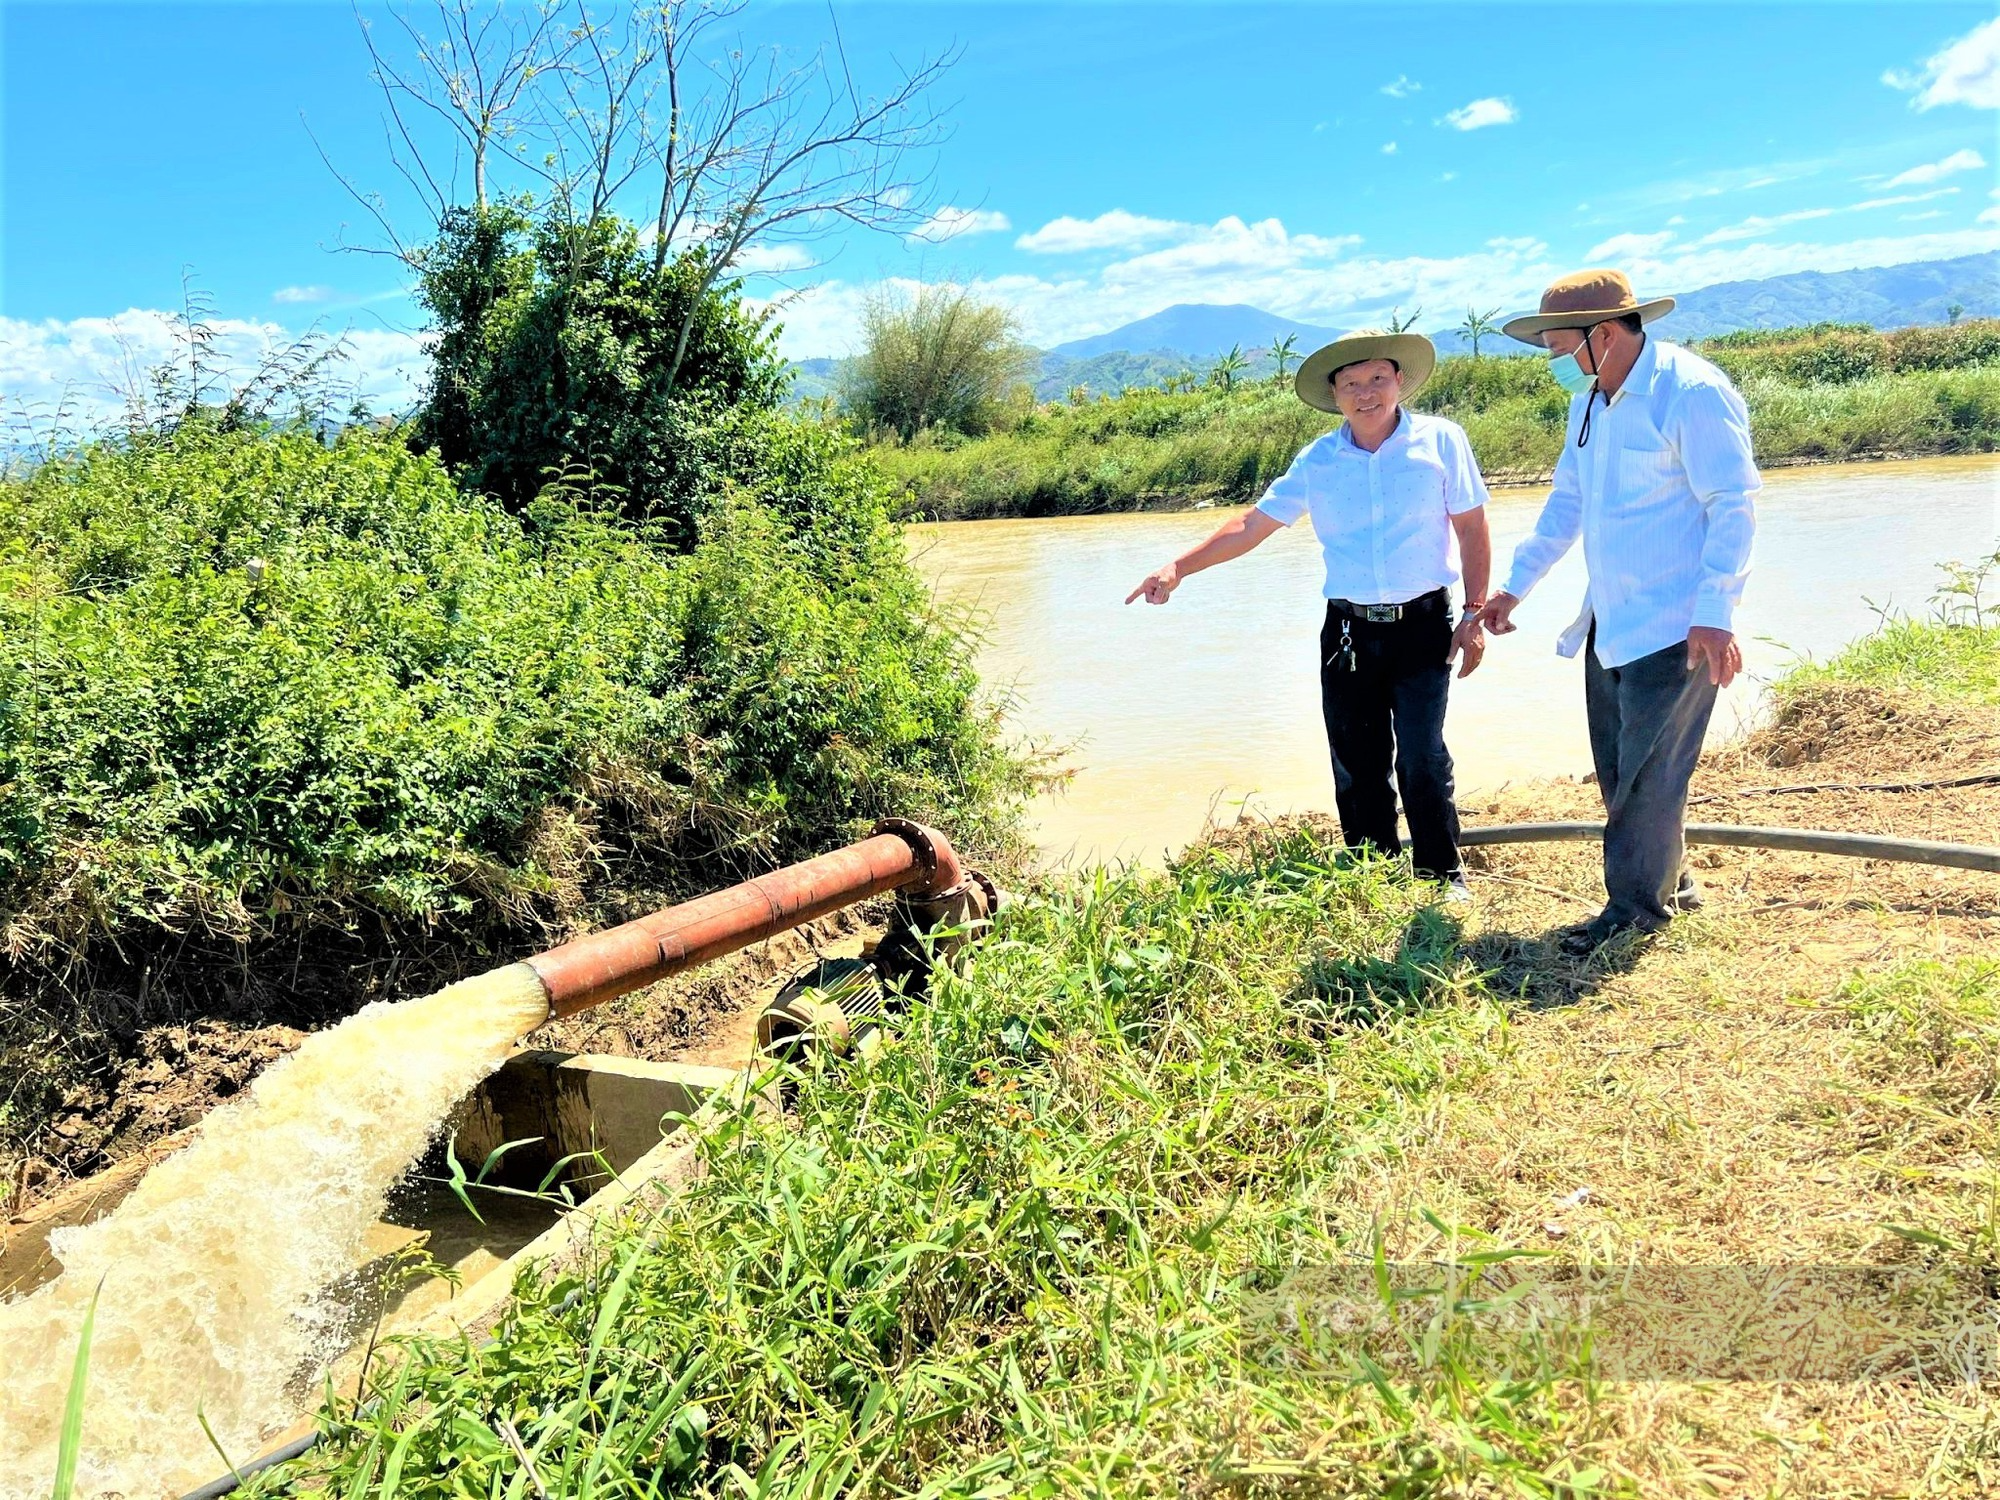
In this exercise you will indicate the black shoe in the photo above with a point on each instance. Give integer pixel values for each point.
(1579, 942)
(1582, 942)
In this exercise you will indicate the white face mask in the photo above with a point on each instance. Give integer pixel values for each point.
(1570, 374)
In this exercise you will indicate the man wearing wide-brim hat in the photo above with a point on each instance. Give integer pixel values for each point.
(1395, 498)
(1657, 478)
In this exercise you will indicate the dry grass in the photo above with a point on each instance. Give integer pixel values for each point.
(1737, 1098)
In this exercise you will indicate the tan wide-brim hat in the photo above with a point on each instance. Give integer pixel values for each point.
(1583, 300)
(1414, 355)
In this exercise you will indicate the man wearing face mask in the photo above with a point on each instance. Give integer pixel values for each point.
(1657, 478)
(1396, 500)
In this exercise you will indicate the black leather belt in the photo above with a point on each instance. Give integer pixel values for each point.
(1386, 614)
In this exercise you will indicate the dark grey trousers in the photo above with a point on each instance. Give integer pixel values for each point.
(1647, 719)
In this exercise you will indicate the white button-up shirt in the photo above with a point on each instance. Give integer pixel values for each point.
(1662, 496)
(1383, 518)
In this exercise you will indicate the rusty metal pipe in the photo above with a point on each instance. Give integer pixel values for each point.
(899, 855)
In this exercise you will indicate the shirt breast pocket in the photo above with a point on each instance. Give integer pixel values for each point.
(1647, 471)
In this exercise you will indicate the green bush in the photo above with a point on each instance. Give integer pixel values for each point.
(937, 359)
(557, 352)
(1838, 354)
(249, 680)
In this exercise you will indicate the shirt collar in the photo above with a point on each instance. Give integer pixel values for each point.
(1645, 370)
(1400, 433)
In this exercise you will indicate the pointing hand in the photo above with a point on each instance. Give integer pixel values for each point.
(1159, 585)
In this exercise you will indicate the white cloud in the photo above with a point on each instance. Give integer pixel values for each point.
(1483, 112)
(949, 223)
(1628, 201)
(1762, 224)
(1699, 266)
(1989, 215)
(1759, 225)
(1897, 200)
(87, 365)
(1116, 230)
(1389, 149)
(1402, 88)
(1448, 177)
(1966, 71)
(1958, 161)
(773, 260)
(302, 294)
(1622, 247)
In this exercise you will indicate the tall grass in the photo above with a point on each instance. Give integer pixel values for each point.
(1010, 1255)
(1826, 394)
(1091, 1224)
(1953, 655)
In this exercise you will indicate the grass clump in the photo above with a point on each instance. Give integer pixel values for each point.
(1814, 394)
(1952, 657)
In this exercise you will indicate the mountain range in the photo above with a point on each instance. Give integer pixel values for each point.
(1190, 336)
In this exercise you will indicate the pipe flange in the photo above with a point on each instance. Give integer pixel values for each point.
(934, 853)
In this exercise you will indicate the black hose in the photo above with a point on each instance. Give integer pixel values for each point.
(228, 1482)
(1801, 840)
(216, 1488)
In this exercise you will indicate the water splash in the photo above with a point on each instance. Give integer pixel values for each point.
(215, 1266)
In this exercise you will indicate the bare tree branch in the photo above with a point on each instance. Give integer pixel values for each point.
(747, 153)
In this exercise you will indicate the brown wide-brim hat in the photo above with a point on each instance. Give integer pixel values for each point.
(1415, 358)
(1583, 300)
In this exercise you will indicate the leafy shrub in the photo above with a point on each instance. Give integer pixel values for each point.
(250, 680)
(1760, 338)
(559, 350)
(1838, 353)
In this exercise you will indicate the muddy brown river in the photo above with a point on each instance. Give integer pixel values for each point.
(1211, 703)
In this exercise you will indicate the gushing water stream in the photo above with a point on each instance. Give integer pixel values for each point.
(215, 1269)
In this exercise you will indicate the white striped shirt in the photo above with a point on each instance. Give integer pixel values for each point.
(1383, 518)
(1662, 496)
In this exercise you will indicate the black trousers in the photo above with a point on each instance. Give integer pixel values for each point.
(1385, 714)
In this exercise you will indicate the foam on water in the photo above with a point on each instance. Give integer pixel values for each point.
(215, 1268)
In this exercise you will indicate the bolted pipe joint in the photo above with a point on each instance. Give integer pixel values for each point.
(942, 872)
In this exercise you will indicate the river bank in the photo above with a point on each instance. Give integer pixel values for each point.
(1814, 396)
(1766, 1144)
(1182, 502)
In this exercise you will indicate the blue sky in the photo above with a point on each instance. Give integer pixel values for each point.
(1323, 161)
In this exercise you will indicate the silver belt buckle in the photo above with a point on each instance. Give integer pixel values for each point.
(1381, 614)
